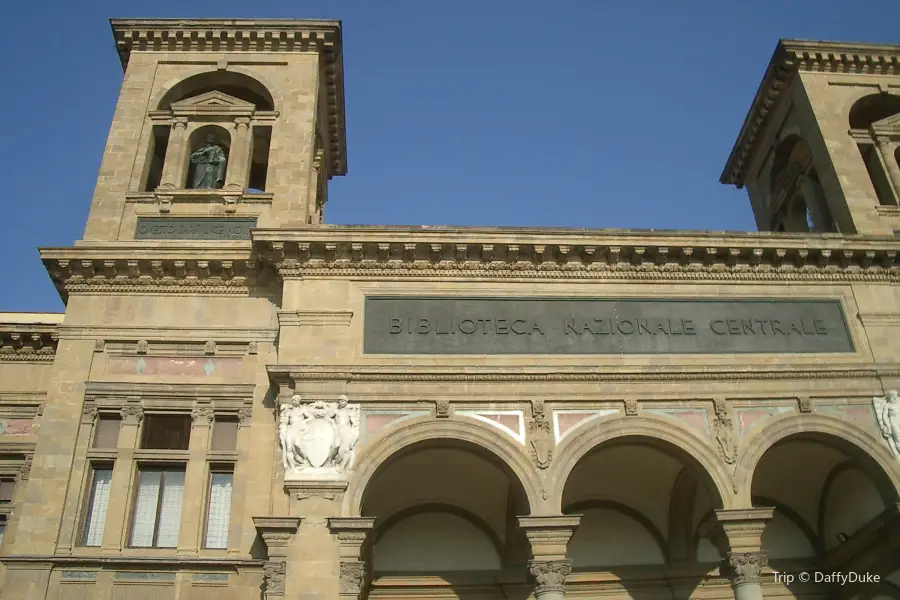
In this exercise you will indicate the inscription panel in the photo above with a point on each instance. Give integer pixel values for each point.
(423, 325)
(194, 228)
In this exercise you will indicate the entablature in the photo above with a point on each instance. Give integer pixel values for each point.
(234, 267)
(28, 342)
(114, 395)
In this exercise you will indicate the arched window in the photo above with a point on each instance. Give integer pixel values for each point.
(796, 197)
(875, 125)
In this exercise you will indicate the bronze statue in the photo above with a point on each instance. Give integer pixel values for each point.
(209, 165)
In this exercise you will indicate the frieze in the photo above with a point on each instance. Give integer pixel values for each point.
(289, 375)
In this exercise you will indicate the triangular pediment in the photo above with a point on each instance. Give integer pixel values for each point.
(212, 103)
(888, 124)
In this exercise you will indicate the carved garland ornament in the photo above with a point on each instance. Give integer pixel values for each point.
(132, 415)
(540, 437)
(273, 576)
(203, 416)
(550, 576)
(724, 431)
(317, 437)
(352, 577)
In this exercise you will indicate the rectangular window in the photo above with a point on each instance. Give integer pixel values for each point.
(166, 432)
(97, 502)
(218, 513)
(106, 434)
(157, 508)
(7, 489)
(224, 434)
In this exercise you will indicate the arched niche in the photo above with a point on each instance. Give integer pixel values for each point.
(200, 137)
(434, 538)
(597, 542)
(234, 84)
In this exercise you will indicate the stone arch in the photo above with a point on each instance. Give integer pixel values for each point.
(177, 88)
(379, 452)
(873, 457)
(669, 434)
(636, 516)
(869, 108)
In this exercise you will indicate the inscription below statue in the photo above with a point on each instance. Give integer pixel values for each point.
(209, 166)
(318, 438)
(887, 411)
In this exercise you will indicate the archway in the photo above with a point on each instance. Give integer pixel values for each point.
(829, 487)
(642, 485)
(445, 510)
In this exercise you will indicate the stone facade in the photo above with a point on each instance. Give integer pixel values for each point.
(232, 414)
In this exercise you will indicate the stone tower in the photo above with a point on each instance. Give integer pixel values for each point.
(820, 148)
(268, 93)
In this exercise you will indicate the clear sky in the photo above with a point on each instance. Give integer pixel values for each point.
(579, 113)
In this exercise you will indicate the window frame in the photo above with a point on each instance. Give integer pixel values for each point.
(179, 466)
(214, 469)
(87, 501)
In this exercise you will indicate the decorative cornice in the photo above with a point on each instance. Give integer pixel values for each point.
(289, 375)
(168, 562)
(251, 35)
(233, 268)
(153, 391)
(28, 342)
(789, 58)
(156, 268)
(572, 254)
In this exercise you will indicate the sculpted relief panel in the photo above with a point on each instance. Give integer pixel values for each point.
(318, 438)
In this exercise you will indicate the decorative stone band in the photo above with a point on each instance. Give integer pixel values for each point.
(622, 257)
(744, 567)
(273, 576)
(352, 578)
(549, 576)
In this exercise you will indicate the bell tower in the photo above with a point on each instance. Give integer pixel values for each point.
(221, 126)
(819, 150)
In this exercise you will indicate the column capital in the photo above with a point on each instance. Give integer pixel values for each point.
(738, 530)
(352, 533)
(744, 567)
(549, 575)
(276, 532)
(549, 536)
(179, 123)
(241, 122)
(352, 578)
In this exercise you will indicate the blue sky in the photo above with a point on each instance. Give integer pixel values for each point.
(569, 114)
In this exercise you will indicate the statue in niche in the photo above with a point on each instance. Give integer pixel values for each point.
(209, 166)
(887, 411)
(318, 438)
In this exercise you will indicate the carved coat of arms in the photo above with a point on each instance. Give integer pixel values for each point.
(318, 437)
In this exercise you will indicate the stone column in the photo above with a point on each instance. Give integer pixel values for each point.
(276, 532)
(549, 565)
(237, 171)
(352, 534)
(194, 498)
(176, 156)
(120, 487)
(738, 536)
(886, 150)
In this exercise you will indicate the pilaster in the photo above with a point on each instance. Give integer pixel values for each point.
(353, 535)
(886, 150)
(237, 173)
(120, 486)
(176, 156)
(276, 532)
(195, 481)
